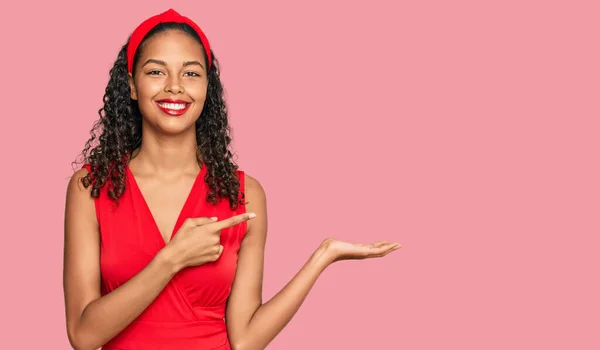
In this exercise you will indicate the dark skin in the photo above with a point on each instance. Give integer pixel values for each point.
(173, 65)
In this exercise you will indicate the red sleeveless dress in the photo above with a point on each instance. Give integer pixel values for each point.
(190, 311)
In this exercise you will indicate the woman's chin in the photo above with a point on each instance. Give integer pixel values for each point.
(174, 126)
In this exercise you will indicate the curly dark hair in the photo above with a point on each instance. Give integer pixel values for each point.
(118, 132)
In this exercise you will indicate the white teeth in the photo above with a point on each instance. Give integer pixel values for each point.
(175, 106)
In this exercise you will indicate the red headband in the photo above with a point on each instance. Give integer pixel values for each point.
(168, 16)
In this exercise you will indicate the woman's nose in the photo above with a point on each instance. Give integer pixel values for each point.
(174, 85)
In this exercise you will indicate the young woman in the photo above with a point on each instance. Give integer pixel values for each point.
(164, 236)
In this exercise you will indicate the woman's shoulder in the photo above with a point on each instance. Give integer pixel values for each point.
(81, 173)
(246, 180)
(253, 187)
(76, 187)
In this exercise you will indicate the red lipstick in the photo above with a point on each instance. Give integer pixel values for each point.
(173, 107)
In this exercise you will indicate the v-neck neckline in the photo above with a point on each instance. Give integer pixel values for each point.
(182, 213)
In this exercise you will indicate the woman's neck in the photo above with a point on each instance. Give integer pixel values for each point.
(167, 155)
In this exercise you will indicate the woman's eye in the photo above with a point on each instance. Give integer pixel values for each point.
(191, 74)
(154, 72)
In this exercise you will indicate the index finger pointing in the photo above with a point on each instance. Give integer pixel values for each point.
(234, 220)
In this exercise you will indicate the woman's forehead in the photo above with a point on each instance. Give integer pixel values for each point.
(173, 45)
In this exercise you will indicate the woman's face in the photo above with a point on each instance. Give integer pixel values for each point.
(170, 82)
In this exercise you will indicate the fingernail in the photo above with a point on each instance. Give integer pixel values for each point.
(214, 218)
(251, 215)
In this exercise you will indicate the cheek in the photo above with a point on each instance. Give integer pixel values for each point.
(147, 89)
(196, 92)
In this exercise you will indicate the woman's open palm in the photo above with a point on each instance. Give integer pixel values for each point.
(341, 250)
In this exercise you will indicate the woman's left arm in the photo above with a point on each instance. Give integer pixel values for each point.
(251, 324)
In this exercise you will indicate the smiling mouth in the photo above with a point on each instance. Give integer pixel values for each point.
(173, 108)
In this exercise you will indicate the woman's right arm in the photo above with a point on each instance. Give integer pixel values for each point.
(92, 319)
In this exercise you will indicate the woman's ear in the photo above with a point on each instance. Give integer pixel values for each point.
(132, 87)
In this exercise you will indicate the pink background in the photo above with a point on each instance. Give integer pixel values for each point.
(466, 130)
